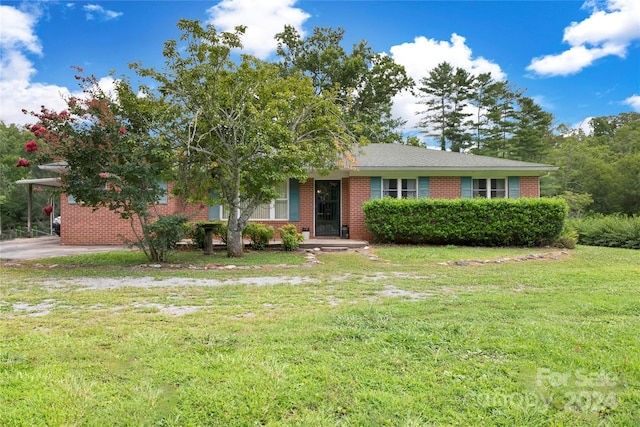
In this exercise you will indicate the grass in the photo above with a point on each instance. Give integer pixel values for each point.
(400, 341)
(194, 258)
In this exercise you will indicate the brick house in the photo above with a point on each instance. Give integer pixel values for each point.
(327, 205)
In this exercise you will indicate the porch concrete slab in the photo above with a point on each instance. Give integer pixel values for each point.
(334, 243)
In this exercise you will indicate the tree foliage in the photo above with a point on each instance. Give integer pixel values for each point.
(113, 154)
(604, 165)
(476, 113)
(241, 127)
(363, 81)
(13, 197)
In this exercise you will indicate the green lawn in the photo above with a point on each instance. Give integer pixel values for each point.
(399, 340)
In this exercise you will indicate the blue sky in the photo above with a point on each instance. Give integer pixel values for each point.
(577, 59)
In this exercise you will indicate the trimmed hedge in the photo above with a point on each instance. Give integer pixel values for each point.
(470, 222)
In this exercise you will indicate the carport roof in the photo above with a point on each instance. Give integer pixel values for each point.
(43, 182)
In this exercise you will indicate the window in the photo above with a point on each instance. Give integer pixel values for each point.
(490, 188)
(277, 209)
(164, 199)
(400, 188)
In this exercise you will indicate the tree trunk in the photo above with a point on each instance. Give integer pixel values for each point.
(235, 246)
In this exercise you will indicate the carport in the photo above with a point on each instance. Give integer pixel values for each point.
(39, 182)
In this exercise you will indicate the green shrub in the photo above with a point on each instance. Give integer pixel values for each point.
(619, 231)
(290, 237)
(222, 232)
(259, 235)
(472, 222)
(568, 238)
(162, 236)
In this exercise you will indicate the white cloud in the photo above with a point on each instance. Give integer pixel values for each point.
(634, 102)
(422, 55)
(94, 11)
(608, 31)
(584, 126)
(263, 19)
(17, 90)
(16, 30)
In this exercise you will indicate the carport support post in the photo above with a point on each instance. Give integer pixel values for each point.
(29, 204)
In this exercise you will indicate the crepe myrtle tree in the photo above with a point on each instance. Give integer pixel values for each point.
(240, 126)
(114, 156)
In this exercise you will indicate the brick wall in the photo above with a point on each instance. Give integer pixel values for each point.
(104, 227)
(444, 187)
(359, 191)
(530, 186)
(345, 215)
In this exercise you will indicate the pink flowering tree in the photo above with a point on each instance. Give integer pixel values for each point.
(114, 157)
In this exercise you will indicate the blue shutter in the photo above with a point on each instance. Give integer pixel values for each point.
(514, 187)
(164, 199)
(423, 186)
(466, 187)
(214, 210)
(376, 187)
(294, 200)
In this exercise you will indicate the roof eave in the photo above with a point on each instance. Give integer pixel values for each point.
(459, 168)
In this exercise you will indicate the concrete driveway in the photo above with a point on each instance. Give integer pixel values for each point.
(45, 247)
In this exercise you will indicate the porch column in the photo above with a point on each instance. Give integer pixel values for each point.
(29, 208)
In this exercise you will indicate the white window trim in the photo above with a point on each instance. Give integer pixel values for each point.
(272, 208)
(488, 188)
(399, 188)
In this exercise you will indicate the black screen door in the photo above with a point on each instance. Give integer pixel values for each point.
(327, 208)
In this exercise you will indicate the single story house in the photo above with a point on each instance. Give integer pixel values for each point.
(326, 206)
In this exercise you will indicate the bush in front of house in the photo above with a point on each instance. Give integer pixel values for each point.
(471, 222)
(617, 231)
(290, 237)
(161, 236)
(259, 235)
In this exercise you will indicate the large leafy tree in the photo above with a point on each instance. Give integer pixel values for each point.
(240, 126)
(114, 155)
(604, 165)
(363, 81)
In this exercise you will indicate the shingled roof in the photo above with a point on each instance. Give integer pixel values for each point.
(397, 156)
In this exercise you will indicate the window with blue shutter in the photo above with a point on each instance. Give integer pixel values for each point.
(214, 210)
(294, 200)
(466, 187)
(164, 199)
(376, 187)
(423, 186)
(514, 187)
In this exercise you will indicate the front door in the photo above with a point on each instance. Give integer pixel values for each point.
(327, 208)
